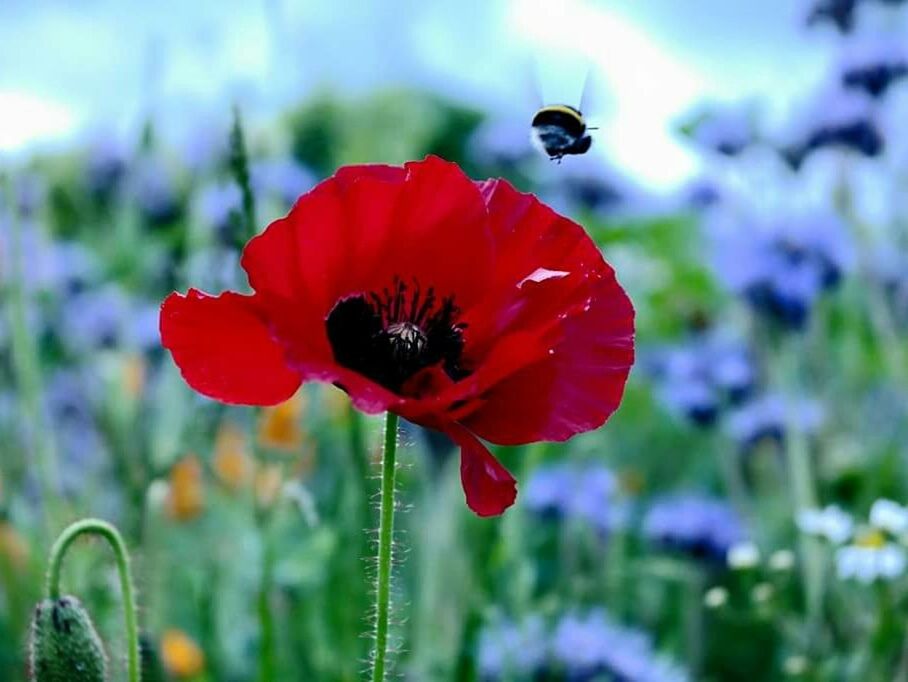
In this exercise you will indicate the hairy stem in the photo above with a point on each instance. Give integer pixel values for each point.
(113, 538)
(385, 549)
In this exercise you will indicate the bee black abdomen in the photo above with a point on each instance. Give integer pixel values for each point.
(582, 146)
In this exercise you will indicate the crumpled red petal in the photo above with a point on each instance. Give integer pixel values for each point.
(488, 486)
(224, 350)
(559, 283)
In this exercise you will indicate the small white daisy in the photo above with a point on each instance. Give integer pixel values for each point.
(743, 555)
(872, 557)
(889, 516)
(832, 523)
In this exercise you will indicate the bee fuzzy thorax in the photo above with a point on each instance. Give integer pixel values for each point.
(559, 130)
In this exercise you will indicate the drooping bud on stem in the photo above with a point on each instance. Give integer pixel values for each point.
(64, 646)
(64, 643)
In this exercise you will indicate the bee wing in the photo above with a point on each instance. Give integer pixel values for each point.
(595, 101)
(533, 84)
(561, 76)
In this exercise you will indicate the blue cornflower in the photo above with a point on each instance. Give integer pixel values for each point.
(704, 527)
(841, 13)
(508, 649)
(155, 191)
(873, 64)
(591, 646)
(205, 145)
(702, 194)
(782, 266)
(282, 179)
(45, 265)
(586, 183)
(728, 131)
(30, 191)
(699, 378)
(71, 396)
(107, 318)
(838, 119)
(501, 143)
(768, 417)
(217, 206)
(105, 166)
(588, 493)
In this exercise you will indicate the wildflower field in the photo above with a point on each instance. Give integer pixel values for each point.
(464, 413)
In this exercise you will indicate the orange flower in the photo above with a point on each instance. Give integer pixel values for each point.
(231, 458)
(279, 426)
(13, 547)
(186, 496)
(182, 657)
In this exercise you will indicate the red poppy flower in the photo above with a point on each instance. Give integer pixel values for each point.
(465, 307)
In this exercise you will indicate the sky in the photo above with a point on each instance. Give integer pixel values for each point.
(69, 68)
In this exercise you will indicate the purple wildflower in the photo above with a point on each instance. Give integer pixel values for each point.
(576, 492)
(873, 65)
(769, 417)
(840, 13)
(509, 649)
(782, 266)
(154, 190)
(591, 646)
(701, 526)
(701, 377)
(501, 144)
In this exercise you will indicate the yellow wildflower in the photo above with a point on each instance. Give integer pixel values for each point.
(232, 463)
(186, 495)
(13, 547)
(279, 426)
(181, 656)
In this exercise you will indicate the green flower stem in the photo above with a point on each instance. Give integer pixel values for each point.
(113, 538)
(385, 548)
(27, 371)
(802, 484)
(239, 165)
(267, 629)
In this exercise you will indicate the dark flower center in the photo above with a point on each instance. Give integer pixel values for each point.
(391, 335)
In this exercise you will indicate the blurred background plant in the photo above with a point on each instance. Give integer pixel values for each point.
(741, 517)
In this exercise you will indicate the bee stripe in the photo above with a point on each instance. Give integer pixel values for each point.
(563, 109)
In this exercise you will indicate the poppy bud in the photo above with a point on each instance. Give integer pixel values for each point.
(64, 645)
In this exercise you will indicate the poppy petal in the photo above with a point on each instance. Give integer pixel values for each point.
(224, 350)
(425, 223)
(578, 384)
(552, 279)
(488, 486)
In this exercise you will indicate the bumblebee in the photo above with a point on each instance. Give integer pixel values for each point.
(559, 130)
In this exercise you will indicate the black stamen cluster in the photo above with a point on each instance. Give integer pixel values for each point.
(391, 335)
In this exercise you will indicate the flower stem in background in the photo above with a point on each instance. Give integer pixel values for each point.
(267, 645)
(802, 485)
(27, 370)
(113, 538)
(385, 548)
(239, 164)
